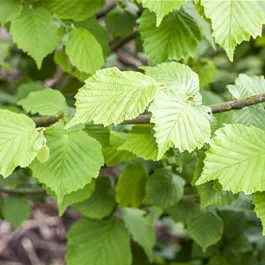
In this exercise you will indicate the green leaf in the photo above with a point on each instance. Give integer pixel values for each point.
(205, 228)
(120, 22)
(62, 59)
(259, 202)
(161, 7)
(73, 9)
(236, 158)
(9, 10)
(218, 260)
(99, 132)
(234, 222)
(206, 71)
(34, 32)
(196, 12)
(75, 159)
(100, 32)
(177, 36)
(16, 210)
(199, 166)
(48, 102)
(139, 256)
(164, 189)
(19, 141)
(112, 154)
(243, 203)
(233, 22)
(238, 245)
(25, 88)
(76, 197)
(111, 96)
(179, 119)
(142, 228)
(98, 242)
(178, 123)
(101, 203)
(84, 51)
(211, 194)
(131, 185)
(141, 142)
(182, 211)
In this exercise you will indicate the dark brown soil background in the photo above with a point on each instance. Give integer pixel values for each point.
(40, 240)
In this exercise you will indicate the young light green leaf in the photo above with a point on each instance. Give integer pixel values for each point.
(252, 115)
(10, 10)
(75, 10)
(236, 158)
(43, 154)
(19, 141)
(101, 202)
(205, 228)
(177, 36)
(164, 189)
(211, 194)
(34, 32)
(131, 185)
(182, 113)
(179, 123)
(259, 202)
(108, 244)
(15, 210)
(84, 51)
(177, 75)
(76, 197)
(247, 86)
(161, 7)
(141, 226)
(141, 142)
(111, 96)
(48, 102)
(233, 21)
(75, 159)
(112, 154)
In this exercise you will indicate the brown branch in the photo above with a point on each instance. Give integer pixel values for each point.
(238, 104)
(21, 191)
(216, 108)
(191, 198)
(117, 44)
(145, 118)
(141, 119)
(45, 120)
(105, 11)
